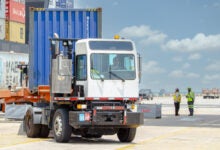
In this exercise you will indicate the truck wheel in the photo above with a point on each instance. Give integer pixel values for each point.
(44, 132)
(126, 134)
(32, 130)
(61, 128)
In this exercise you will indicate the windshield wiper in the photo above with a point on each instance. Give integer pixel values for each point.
(117, 76)
(98, 74)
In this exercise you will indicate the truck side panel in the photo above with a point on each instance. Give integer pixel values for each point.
(71, 23)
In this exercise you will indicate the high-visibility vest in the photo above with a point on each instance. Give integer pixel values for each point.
(177, 97)
(190, 96)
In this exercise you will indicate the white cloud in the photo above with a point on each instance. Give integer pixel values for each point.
(215, 66)
(194, 56)
(147, 35)
(212, 77)
(152, 67)
(177, 59)
(186, 65)
(177, 74)
(181, 74)
(192, 75)
(137, 31)
(198, 43)
(153, 39)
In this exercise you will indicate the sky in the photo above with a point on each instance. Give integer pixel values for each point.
(178, 40)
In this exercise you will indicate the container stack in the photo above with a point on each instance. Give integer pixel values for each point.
(2, 19)
(61, 4)
(15, 20)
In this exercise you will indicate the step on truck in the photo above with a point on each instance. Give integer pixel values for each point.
(99, 100)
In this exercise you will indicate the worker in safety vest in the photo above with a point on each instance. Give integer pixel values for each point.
(190, 101)
(177, 101)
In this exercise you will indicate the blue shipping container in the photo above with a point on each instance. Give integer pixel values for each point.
(68, 23)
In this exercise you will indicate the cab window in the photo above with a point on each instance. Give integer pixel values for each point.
(81, 67)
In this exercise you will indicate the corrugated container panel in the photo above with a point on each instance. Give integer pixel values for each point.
(2, 9)
(14, 31)
(15, 10)
(75, 23)
(2, 29)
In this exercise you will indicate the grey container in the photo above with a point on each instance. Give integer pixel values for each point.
(150, 110)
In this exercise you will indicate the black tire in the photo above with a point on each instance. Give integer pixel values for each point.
(126, 134)
(44, 132)
(61, 128)
(32, 130)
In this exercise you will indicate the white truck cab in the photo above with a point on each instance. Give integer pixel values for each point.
(107, 67)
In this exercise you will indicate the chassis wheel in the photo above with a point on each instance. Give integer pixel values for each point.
(126, 134)
(32, 130)
(61, 128)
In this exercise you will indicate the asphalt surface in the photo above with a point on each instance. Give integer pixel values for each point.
(198, 132)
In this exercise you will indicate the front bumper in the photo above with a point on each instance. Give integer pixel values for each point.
(79, 119)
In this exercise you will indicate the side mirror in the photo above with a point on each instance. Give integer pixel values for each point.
(139, 67)
(53, 48)
(56, 44)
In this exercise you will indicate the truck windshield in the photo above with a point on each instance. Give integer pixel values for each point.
(111, 45)
(112, 67)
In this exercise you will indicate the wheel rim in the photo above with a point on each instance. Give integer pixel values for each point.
(58, 125)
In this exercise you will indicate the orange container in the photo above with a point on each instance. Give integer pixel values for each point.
(14, 31)
(15, 11)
